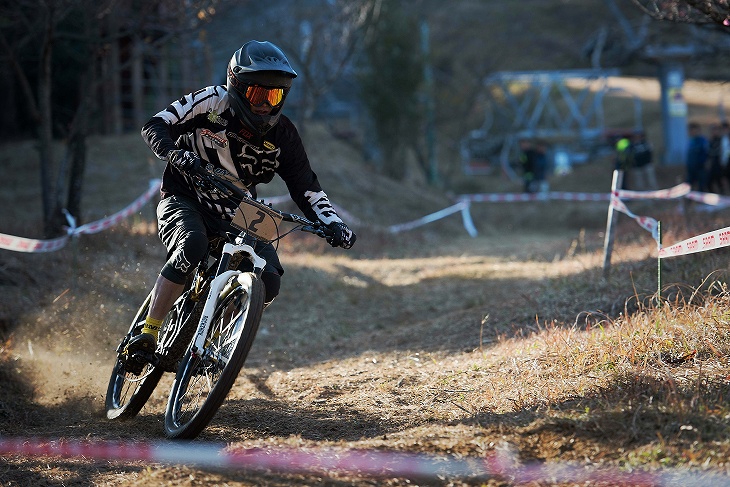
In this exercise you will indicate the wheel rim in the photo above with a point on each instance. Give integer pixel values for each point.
(202, 371)
(124, 388)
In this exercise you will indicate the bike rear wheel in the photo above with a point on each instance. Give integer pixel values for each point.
(205, 378)
(127, 393)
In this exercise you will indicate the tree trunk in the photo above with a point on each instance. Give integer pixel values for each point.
(51, 227)
(77, 151)
(163, 77)
(138, 82)
(113, 75)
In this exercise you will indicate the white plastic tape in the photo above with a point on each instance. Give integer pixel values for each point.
(460, 206)
(646, 222)
(700, 243)
(21, 244)
(710, 199)
(499, 464)
(523, 197)
(678, 191)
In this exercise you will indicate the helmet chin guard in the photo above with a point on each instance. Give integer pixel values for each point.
(258, 64)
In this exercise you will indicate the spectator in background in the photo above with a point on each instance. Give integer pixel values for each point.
(541, 168)
(725, 153)
(624, 159)
(528, 156)
(715, 177)
(697, 151)
(642, 155)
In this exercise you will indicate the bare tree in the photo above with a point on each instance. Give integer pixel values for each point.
(38, 21)
(34, 28)
(688, 11)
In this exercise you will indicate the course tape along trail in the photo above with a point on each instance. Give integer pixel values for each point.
(462, 205)
(501, 464)
(22, 244)
(700, 243)
(707, 241)
(378, 463)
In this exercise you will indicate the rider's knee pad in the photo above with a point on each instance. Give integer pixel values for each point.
(186, 256)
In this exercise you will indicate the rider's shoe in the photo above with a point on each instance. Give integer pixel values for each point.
(144, 342)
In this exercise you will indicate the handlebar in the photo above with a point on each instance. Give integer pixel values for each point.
(228, 190)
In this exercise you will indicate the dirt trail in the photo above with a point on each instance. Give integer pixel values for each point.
(399, 344)
(361, 350)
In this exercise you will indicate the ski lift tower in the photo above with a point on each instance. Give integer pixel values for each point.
(562, 105)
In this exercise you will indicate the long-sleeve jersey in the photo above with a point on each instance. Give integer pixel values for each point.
(204, 122)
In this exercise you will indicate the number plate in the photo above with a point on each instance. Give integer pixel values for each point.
(258, 220)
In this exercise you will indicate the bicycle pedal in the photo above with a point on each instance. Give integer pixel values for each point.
(135, 363)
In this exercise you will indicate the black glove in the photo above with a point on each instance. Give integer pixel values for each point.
(184, 160)
(341, 236)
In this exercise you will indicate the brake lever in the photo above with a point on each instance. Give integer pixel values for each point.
(207, 180)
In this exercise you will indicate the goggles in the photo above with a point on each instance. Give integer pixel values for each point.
(258, 95)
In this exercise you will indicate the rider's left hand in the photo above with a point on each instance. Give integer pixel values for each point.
(341, 236)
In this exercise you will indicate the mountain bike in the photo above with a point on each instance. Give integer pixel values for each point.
(208, 333)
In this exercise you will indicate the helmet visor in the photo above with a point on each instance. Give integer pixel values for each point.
(258, 95)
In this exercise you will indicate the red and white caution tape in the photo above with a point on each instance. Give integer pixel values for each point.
(700, 243)
(710, 199)
(678, 191)
(22, 244)
(117, 217)
(464, 200)
(524, 197)
(371, 463)
(646, 222)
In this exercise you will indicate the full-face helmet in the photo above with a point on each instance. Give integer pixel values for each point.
(259, 73)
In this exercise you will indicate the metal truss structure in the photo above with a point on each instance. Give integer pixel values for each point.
(565, 106)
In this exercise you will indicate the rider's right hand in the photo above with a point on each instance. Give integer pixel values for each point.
(341, 235)
(184, 160)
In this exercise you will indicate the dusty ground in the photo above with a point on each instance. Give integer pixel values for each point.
(405, 343)
(391, 346)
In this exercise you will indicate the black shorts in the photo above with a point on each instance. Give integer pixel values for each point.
(186, 231)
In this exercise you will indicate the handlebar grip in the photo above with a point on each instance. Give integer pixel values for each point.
(320, 231)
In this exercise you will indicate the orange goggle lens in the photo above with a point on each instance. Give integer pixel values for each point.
(257, 95)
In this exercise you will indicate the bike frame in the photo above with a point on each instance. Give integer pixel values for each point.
(219, 283)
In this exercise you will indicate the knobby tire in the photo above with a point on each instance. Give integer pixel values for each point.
(201, 385)
(127, 393)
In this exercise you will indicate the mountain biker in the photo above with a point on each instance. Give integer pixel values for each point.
(238, 132)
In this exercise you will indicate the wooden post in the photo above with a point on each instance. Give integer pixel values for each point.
(618, 178)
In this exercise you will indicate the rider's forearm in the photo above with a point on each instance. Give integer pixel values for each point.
(156, 133)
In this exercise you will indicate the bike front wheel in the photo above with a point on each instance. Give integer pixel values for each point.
(206, 376)
(128, 392)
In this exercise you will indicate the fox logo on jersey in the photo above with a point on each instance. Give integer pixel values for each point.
(256, 162)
